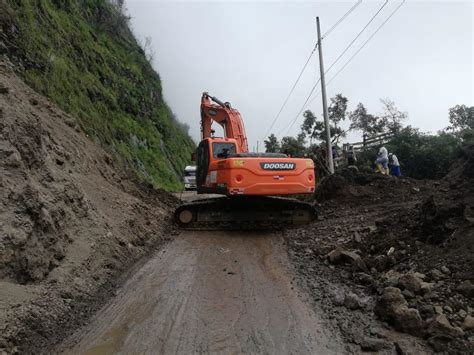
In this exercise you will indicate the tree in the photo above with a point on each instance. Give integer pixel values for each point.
(392, 117)
(424, 156)
(461, 118)
(316, 129)
(337, 109)
(293, 146)
(312, 127)
(337, 113)
(272, 145)
(366, 123)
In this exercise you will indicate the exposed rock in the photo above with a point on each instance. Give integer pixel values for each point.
(393, 308)
(466, 288)
(437, 275)
(410, 282)
(441, 327)
(334, 256)
(374, 344)
(448, 309)
(468, 323)
(445, 270)
(426, 287)
(365, 279)
(337, 298)
(408, 320)
(339, 256)
(352, 301)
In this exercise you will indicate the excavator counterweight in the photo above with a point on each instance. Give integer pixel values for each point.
(249, 182)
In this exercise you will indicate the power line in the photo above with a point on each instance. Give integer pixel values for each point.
(291, 91)
(336, 60)
(306, 64)
(342, 19)
(367, 41)
(361, 47)
(356, 37)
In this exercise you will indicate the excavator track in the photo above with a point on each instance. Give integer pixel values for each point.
(243, 213)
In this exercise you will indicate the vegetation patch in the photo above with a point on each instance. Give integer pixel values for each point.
(83, 56)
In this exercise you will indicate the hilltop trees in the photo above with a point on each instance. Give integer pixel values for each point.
(422, 155)
(390, 120)
(364, 122)
(461, 118)
(392, 117)
(314, 127)
(272, 145)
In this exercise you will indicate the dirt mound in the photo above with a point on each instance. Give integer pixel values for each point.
(404, 247)
(331, 187)
(70, 221)
(352, 187)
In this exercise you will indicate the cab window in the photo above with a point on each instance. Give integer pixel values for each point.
(222, 150)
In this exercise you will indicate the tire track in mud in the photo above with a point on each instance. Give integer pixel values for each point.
(219, 292)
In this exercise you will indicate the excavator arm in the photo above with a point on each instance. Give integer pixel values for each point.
(226, 116)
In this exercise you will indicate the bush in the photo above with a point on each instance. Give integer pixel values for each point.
(421, 156)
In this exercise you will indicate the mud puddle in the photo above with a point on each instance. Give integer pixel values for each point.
(216, 292)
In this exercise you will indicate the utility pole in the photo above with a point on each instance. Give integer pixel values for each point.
(329, 159)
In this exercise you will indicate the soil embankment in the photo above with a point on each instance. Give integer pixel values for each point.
(394, 254)
(70, 221)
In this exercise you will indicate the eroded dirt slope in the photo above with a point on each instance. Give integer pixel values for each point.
(70, 221)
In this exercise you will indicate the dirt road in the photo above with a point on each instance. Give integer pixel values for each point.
(216, 292)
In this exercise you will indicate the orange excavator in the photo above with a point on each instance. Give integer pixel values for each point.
(251, 183)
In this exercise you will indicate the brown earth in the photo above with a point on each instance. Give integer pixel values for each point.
(70, 221)
(401, 251)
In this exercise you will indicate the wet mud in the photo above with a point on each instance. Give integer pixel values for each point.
(219, 292)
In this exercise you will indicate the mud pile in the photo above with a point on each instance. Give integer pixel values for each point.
(70, 221)
(396, 254)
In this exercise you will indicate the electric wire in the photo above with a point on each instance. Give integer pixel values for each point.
(367, 41)
(334, 62)
(291, 91)
(361, 47)
(306, 64)
(341, 19)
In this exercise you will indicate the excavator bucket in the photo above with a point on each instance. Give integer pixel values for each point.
(244, 212)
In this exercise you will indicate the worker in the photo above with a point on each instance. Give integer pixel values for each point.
(394, 165)
(351, 156)
(382, 161)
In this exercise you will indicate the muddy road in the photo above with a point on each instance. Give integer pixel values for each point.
(219, 292)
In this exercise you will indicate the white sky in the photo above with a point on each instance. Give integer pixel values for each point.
(250, 53)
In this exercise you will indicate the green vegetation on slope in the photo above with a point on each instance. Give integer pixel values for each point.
(83, 56)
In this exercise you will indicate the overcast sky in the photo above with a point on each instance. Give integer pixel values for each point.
(250, 54)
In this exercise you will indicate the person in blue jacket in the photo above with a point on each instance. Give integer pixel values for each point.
(394, 165)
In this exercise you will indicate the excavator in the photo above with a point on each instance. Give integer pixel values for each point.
(252, 185)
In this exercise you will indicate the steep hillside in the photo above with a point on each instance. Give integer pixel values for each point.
(71, 222)
(83, 56)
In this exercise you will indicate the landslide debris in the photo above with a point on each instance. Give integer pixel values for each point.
(404, 246)
(70, 220)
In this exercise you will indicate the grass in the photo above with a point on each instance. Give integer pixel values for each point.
(83, 56)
